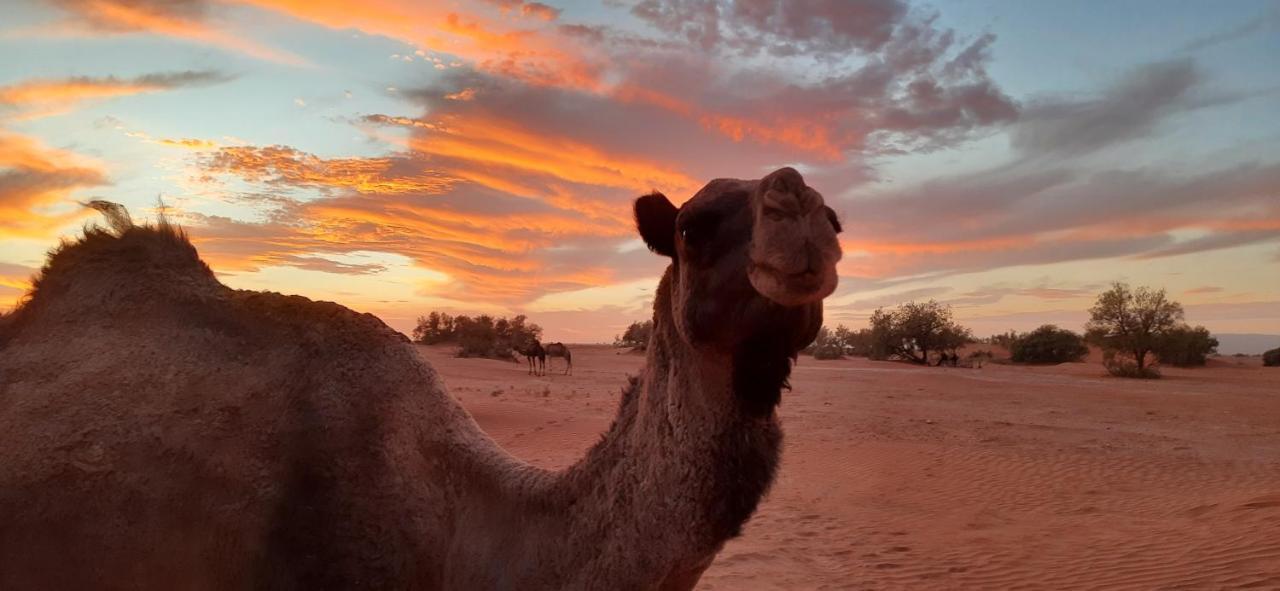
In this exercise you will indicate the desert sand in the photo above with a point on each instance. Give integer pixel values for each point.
(1005, 477)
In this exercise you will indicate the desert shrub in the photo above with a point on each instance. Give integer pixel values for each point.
(480, 336)
(1184, 346)
(837, 343)
(1122, 365)
(1048, 344)
(827, 345)
(636, 336)
(912, 330)
(1271, 358)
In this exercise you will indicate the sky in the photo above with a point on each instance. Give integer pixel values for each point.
(1008, 158)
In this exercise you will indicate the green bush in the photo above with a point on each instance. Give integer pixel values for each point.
(1048, 344)
(1184, 346)
(1271, 358)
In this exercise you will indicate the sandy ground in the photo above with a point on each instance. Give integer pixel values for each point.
(1005, 477)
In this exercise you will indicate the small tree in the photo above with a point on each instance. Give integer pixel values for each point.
(913, 330)
(1048, 344)
(1271, 358)
(1184, 346)
(636, 336)
(842, 335)
(1132, 321)
(826, 345)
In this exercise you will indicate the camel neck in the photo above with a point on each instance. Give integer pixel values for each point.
(682, 467)
(677, 474)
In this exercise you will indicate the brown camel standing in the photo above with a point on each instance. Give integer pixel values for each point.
(536, 356)
(159, 430)
(560, 350)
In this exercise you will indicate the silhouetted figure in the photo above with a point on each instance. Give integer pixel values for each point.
(536, 356)
(560, 350)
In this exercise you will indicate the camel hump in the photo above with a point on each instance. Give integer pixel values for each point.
(125, 263)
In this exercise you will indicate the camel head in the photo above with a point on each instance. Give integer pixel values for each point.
(751, 261)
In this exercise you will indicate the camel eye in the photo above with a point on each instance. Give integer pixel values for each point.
(696, 230)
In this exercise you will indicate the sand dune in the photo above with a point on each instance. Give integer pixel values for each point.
(900, 477)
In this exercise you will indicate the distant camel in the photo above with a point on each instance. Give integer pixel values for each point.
(159, 430)
(536, 356)
(560, 350)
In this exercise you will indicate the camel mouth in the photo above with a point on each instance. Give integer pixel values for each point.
(792, 289)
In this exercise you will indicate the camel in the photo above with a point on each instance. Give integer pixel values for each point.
(159, 430)
(560, 350)
(536, 356)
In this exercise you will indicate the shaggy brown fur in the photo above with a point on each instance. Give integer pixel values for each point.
(159, 430)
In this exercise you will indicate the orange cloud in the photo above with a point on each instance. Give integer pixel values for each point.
(35, 180)
(809, 136)
(287, 166)
(188, 143)
(486, 257)
(526, 54)
(491, 144)
(169, 20)
(926, 248)
(490, 250)
(43, 97)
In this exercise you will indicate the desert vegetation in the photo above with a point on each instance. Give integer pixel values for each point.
(1137, 329)
(1271, 358)
(636, 336)
(1047, 344)
(913, 330)
(478, 336)
(1184, 346)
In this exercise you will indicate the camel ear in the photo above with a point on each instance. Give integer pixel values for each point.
(656, 220)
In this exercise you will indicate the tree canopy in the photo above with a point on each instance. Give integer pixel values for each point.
(1132, 321)
(914, 329)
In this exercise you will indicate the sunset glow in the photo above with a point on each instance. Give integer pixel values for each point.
(403, 156)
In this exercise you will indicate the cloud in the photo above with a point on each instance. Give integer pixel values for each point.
(525, 8)
(1269, 19)
(1015, 215)
(285, 166)
(35, 98)
(15, 277)
(37, 184)
(1131, 108)
(777, 27)
(917, 86)
(185, 20)
(459, 210)
(1203, 290)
